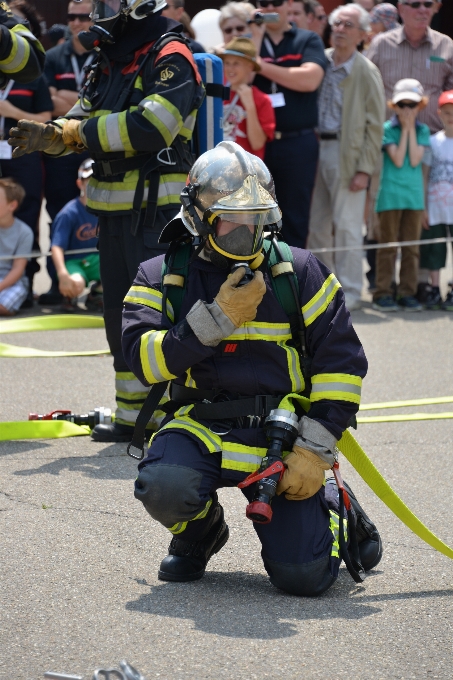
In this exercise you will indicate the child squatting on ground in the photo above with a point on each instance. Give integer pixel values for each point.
(16, 238)
(74, 228)
(401, 197)
(438, 219)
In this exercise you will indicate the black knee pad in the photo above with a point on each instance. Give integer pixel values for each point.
(310, 579)
(169, 493)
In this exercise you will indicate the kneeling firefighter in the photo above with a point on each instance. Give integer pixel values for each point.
(234, 353)
(135, 114)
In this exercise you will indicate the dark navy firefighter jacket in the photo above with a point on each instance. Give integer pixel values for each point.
(258, 358)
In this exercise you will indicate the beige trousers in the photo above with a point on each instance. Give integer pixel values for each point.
(336, 219)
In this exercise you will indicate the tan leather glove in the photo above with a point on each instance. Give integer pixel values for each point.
(304, 474)
(241, 304)
(71, 136)
(30, 136)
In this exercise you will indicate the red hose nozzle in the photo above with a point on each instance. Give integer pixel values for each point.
(259, 512)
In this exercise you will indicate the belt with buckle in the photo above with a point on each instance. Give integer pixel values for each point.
(291, 135)
(328, 136)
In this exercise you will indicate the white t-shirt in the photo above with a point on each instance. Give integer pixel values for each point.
(440, 182)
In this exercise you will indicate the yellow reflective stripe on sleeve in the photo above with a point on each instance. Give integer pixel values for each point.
(336, 386)
(163, 115)
(150, 297)
(181, 526)
(189, 125)
(113, 134)
(152, 357)
(18, 56)
(319, 302)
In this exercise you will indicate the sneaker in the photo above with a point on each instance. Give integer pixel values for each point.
(385, 304)
(433, 299)
(69, 306)
(447, 304)
(95, 302)
(409, 304)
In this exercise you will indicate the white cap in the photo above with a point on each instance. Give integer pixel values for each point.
(86, 169)
(408, 88)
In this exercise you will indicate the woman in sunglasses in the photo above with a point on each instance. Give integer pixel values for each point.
(401, 197)
(233, 21)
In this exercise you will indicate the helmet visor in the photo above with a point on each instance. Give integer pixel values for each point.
(105, 9)
(261, 218)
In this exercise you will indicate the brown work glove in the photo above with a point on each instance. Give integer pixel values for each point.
(241, 304)
(71, 136)
(304, 474)
(30, 136)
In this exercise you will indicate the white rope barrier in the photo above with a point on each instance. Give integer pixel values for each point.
(371, 246)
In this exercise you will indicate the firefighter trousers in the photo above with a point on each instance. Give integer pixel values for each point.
(299, 547)
(120, 255)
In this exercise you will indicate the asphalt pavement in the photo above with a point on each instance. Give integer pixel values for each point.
(80, 555)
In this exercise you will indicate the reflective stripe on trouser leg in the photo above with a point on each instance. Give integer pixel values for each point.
(182, 526)
(130, 396)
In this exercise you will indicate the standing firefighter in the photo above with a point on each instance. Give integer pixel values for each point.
(135, 115)
(21, 54)
(234, 355)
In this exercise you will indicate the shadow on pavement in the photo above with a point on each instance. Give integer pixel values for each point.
(9, 448)
(110, 463)
(246, 605)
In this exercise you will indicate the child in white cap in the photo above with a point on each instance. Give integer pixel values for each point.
(401, 200)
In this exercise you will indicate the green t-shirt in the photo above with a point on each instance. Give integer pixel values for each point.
(401, 188)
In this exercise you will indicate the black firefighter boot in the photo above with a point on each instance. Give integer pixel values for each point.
(186, 559)
(112, 432)
(368, 539)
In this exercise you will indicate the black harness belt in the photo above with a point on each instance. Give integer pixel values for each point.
(175, 158)
(216, 405)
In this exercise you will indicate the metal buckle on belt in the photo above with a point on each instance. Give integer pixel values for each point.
(104, 167)
(277, 134)
(170, 154)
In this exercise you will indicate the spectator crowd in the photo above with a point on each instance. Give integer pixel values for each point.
(352, 113)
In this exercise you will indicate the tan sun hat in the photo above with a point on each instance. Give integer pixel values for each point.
(241, 47)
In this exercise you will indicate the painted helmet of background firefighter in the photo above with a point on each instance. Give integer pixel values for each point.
(227, 185)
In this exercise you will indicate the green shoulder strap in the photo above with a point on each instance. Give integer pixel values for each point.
(280, 270)
(175, 269)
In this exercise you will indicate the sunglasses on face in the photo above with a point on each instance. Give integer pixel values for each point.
(407, 105)
(346, 24)
(415, 5)
(230, 29)
(80, 17)
(274, 3)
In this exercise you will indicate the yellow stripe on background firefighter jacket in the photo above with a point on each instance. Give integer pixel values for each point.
(163, 105)
(258, 358)
(21, 54)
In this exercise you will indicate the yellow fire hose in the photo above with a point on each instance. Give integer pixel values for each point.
(47, 323)
(348, 445)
